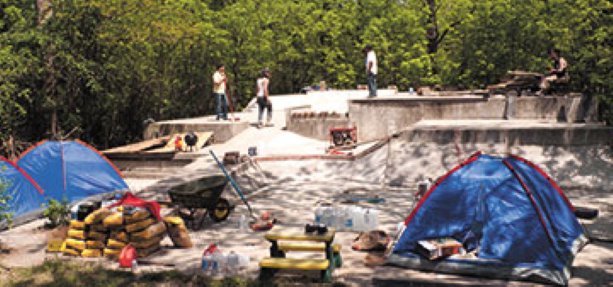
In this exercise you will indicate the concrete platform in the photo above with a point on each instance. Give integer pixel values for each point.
(509, 132)
(222, 130)
(375, 118)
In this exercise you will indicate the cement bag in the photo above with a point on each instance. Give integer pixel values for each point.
(76, 234)
(134, 215)
(94, 244)
(114, 220)
(178, 232)
(111, 253)
(71, 252)
(75, 244)
(78, 225)
(140, 225)
(147, 251)
(151, 232)
(99, 228)
(95, 235)
(97, 216)
(115, 244)
(120, 235)
(147, 243)
(91, 253)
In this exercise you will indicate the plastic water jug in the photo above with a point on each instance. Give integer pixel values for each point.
(232, 261)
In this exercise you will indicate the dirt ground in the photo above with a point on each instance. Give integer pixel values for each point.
(291, 200)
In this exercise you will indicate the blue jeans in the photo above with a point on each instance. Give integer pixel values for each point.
(372, 85)
(222, 106)
(263, 104)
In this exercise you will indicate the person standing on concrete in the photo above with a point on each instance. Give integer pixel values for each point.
(371, 70)
(219, 92)
(263, 98)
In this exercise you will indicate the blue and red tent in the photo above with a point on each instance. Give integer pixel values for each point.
(24, 195)
(71, 170)
(512, 215)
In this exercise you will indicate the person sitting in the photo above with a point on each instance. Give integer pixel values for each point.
(557, 74)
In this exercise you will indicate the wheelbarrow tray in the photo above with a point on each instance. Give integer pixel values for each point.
(202, 193)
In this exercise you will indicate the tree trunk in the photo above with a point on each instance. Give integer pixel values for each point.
(45, 10)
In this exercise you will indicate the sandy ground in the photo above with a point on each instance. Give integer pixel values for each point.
(291, 190)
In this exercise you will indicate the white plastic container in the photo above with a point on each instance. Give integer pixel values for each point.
(232, 262)
(242, 223)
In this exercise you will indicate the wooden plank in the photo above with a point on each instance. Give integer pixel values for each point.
(307, 246)
(138, 146)
(298, 234)
(295, 263)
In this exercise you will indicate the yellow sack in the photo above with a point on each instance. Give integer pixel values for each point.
(70, 251)
(138, 215)
(150, 232)
(174, 220)
(120, 235)
(139, 225)
(147, 243)
(114, 220)
(75, 244)
(112, 253)
(91, 253)
(95, 235)
(97, 216)
(77, 234)
(112, 243)
(99, 228)
(75, 224)
(63, 246)
(147, 251)
(94, 244)
(178, 232)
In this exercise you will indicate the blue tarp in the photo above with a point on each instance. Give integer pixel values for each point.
(71, 170)
(25, 195)
(512, 211)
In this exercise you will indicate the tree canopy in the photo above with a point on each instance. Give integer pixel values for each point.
(99, 68)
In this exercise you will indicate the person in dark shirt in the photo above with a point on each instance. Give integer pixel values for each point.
(556, 74)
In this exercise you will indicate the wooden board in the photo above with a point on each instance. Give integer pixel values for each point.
(203, 138)
(139, 146)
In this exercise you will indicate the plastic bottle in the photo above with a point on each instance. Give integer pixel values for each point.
(218, 262)
(243, 261)
(232, 262)
(242, 223)
(207, 258)
(327, 216)
(134, 265)
(319, 213)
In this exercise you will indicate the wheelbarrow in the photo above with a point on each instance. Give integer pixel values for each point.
(204, 193)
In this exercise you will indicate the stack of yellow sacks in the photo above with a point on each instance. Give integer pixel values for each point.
(106, 232)
(87, 238)
(135, 226)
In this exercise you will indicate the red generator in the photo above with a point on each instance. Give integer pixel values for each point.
(343, 136)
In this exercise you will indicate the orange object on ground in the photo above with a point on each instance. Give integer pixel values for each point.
(178, 143)
(127, 255)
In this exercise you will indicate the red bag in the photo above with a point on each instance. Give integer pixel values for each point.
(127, 255)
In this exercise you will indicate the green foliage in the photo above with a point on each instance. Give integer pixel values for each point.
(106, 66)
(57, 212)
(5, 215)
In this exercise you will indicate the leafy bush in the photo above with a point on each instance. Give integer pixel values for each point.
(57, 212)
(4, 207)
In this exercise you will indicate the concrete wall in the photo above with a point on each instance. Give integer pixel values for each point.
(222, 131)
(376, 117)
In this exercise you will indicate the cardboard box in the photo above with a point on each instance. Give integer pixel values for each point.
(438, 248)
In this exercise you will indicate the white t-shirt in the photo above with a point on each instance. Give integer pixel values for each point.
(261, 83)
(219, 85)
(372, 58)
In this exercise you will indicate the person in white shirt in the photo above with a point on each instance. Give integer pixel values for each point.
(263, 98)
(371, 70)
(219, 92)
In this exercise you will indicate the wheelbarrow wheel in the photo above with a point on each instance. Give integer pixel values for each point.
(220, 211)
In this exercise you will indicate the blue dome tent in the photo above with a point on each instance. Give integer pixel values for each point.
(71, 170)
(517, 221)
(25, 196)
